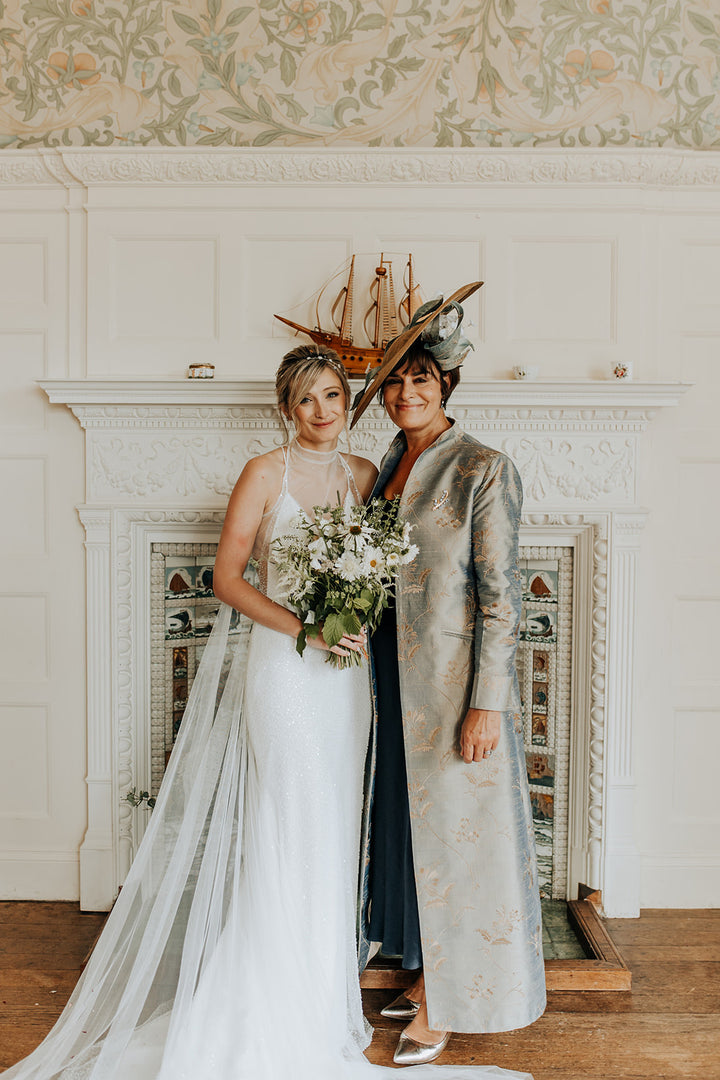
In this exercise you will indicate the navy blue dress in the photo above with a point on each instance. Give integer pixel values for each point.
(393, 900)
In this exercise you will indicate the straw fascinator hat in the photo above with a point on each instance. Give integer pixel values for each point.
(439, 324)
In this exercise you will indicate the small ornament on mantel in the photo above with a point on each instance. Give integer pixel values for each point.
(202, 370)
(528, 372)
(622, 369)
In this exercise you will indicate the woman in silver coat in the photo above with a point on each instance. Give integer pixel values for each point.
(452, 878)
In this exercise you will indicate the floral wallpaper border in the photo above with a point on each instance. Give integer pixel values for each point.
(425, 73)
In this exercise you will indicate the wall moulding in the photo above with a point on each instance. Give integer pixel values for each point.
(658, 168)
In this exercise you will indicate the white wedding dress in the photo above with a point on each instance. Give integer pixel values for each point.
(231, 951)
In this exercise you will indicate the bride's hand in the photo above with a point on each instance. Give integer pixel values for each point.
(354, 642)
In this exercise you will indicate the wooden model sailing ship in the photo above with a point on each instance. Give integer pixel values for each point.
(381, 322)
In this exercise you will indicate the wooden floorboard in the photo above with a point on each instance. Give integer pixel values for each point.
(667, 1028)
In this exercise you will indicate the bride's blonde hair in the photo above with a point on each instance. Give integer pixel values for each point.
(299, 370)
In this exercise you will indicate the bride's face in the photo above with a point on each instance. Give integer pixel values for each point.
(320, 416)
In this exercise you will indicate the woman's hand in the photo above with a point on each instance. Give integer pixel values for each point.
(480, 734)
(354, 642)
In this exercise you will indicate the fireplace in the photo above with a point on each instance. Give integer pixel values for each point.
(161, 459)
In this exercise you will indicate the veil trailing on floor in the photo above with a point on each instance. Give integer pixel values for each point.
(166, 924)
(202, 970)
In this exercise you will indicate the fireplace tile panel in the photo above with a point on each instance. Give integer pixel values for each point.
(544, 675)
(184, 608)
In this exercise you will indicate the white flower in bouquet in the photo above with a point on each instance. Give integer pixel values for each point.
(348, 566)
(339, 567)
(373, 561)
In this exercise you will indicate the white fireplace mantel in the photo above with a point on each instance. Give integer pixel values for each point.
(616, 394)
(161, 459)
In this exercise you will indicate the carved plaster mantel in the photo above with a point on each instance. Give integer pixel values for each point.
(161, 459)
(574, 442)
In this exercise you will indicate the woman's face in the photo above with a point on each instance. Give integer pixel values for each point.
(320, 416)
(413, 398)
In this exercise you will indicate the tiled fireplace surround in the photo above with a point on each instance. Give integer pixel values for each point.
(161, 459)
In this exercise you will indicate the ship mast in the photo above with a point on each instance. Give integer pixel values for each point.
(390, 325)
(347, 313)
(412, 299)
(380, 301)
(411, 286)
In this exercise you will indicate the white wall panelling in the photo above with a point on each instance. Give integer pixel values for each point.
(23, 271)
(33, 272)
(123, 267)
(23, 499)
(24, 774)
(544, 272)
(164, 288)
(24, 657)
(158, 288)
(696, 749)
(42, 694)
(22, 361)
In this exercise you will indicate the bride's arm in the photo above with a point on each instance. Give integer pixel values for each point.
(247, 505)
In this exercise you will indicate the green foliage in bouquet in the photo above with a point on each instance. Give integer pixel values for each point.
(338, 568)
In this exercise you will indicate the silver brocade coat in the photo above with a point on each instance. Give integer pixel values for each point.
(458, 608)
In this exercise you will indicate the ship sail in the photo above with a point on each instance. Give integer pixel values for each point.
(346, 295)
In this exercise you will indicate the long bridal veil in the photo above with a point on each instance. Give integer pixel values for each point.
(168, 919)
(203, 971)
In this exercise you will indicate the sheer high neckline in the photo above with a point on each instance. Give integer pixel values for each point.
(312, 457)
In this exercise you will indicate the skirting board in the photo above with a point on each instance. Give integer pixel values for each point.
(39, 875)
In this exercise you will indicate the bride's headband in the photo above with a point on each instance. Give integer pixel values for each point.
(333, 361)
(438, 324)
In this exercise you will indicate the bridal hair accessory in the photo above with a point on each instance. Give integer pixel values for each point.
(438, 324)
(334, 361)
(330, 358)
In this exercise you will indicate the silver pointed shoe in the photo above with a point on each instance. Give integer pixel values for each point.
(402, 1008)
(409, 1052)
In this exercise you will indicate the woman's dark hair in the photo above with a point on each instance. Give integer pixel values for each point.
(419, 359)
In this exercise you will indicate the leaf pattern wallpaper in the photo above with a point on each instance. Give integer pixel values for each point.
(360, 73)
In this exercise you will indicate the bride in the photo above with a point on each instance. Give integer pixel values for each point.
(231, 951)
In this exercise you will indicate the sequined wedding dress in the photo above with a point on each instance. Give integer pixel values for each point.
(230, 953)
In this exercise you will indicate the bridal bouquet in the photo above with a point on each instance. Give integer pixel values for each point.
(339, 567)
